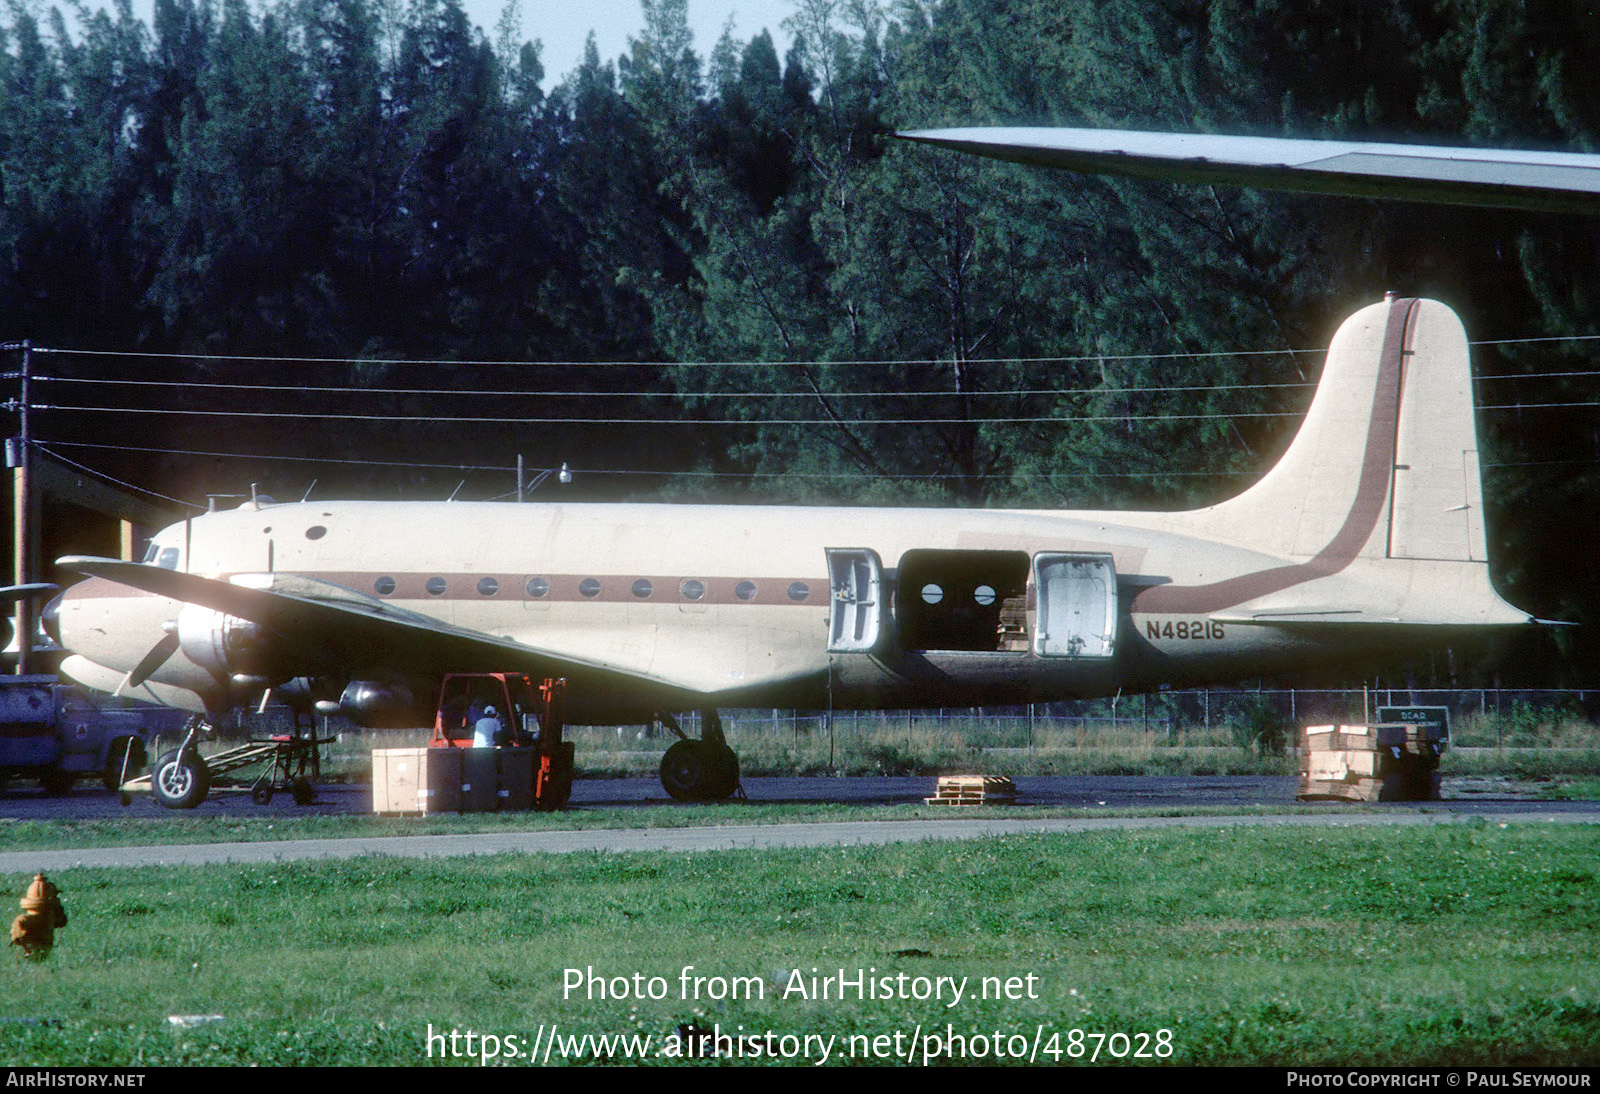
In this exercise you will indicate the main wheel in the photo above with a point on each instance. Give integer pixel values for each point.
(693, 771)
(180, 782)
(724, 772)
(304, 793)
(683, 772)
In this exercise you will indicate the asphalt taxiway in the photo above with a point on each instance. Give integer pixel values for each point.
(1219, 795)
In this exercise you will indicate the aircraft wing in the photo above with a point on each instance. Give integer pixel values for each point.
(27, 592)
(1548, 181)
(332, 628)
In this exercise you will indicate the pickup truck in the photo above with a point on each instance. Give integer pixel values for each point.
(57, 733)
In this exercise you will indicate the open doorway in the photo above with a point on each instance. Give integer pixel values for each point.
(963, 600)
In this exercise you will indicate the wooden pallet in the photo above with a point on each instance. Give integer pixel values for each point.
(1365, 789)
(974, 790)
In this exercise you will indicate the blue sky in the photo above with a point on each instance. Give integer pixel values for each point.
(563, 26)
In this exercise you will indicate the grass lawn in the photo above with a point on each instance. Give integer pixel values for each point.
(1466, 944)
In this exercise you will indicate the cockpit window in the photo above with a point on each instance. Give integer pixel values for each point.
(150, 554)
(168, 559)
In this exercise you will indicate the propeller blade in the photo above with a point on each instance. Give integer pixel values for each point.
(153, 660)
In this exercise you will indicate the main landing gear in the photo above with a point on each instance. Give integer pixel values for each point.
(699, 771)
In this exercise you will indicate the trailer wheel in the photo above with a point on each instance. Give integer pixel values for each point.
(180, 782)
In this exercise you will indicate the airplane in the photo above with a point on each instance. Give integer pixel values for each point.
(1368, 534)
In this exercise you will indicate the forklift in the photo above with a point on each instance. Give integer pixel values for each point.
(529, 716)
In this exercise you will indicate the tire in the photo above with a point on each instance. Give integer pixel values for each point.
(725, 773)
(56, 782)
(132, 748)
(304, 793)
(693, 771)
(180, 785)
(261, 792)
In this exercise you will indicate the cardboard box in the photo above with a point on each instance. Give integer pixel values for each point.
(416, 780)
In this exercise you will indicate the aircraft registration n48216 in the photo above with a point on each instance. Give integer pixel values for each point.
(1369, 531)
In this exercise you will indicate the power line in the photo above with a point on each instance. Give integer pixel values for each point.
(587, 471)
(1083, 358)
(1044, 419)
(545, 394)
(483, 363)
(114, 481)
(807, 422)
(532, 393)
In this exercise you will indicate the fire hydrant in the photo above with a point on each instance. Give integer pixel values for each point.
(35, 929)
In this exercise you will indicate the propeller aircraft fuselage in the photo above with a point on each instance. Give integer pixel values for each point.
(1367, 533)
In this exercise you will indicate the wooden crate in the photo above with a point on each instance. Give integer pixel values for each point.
(416, 780)
(974, 790)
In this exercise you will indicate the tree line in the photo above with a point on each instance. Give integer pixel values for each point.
(702, 270)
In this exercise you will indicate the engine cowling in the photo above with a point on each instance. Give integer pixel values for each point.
(375, 704)
(225, 645)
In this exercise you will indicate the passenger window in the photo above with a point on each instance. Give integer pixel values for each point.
(168, 559)
(693, 590)
(642, 588)
(745, 590)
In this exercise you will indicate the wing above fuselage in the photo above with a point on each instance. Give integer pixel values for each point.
(1546, 181)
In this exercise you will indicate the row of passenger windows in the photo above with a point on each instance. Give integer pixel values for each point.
(538, 588)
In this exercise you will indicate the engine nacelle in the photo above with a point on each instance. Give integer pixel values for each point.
(373, 704)
(224, 645)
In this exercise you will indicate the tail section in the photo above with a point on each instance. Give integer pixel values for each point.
(1386, 462)
(1376, 508)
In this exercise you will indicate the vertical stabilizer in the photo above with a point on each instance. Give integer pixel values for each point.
(1385, 464)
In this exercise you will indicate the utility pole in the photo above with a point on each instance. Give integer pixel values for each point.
(23, 518)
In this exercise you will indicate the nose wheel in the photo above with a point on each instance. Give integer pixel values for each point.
(181, 779)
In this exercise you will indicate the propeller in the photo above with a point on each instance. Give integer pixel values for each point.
(150, 662)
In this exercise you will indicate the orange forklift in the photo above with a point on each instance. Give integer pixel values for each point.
(522, 714)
